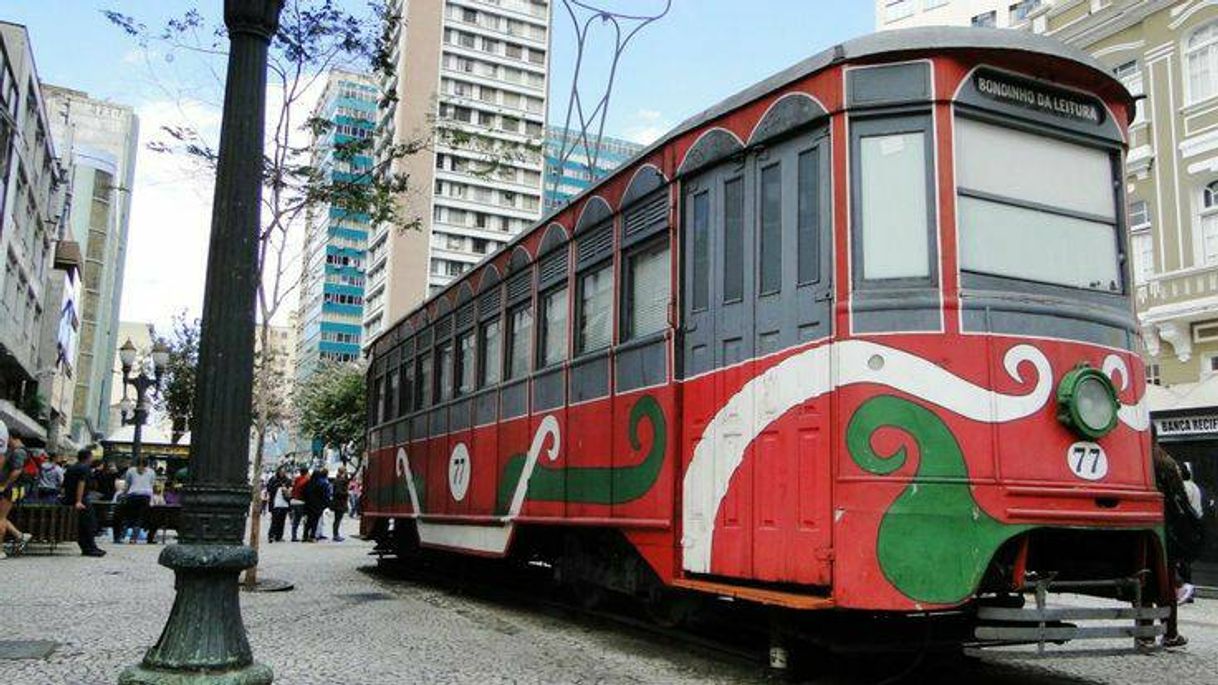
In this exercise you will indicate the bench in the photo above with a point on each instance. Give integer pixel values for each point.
(47, 524)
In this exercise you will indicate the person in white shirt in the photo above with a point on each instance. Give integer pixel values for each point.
(141, 484)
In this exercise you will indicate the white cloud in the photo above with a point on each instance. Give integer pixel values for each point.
(646, 126)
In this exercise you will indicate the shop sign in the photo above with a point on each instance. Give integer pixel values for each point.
(1019, 92)
(1187, 425)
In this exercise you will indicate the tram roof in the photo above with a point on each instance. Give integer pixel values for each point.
(910, 40)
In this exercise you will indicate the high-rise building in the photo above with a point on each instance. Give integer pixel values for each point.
(471, 76)
(32, 190)
(330, 318)
(1166, 52)
(900, 14)
(102, 140)
(566, 178)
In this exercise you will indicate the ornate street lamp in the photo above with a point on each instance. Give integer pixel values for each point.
(204, 640)
(136, 413)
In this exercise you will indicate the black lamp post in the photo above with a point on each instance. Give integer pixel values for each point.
(204, 640)
(142, 383)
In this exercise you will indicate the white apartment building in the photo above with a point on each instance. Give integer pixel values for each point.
(472, 78)
(901, 14)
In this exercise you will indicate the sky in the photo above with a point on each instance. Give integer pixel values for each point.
(700, 52)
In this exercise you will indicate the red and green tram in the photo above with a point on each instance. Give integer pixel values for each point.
(857, 340)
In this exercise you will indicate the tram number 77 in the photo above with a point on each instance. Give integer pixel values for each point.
(1087, 460)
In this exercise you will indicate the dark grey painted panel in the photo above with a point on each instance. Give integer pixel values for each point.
(555, 237)
(402, 433)
(419, 427)
(459, 414)
(642, 366)
(594, 212)
(886, 312)
(549, 389)
(1017, 96)
(486, 407)
(1049, 325)
(888, 84)
(713, 146)
(590, 378)
(646, 180)
(789, 113)
(439, 421)
(514, 399)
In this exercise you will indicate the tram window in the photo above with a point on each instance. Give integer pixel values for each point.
(770, 261)
(733, 240)
(422, 393)
(647, 286)
(553, 327)
(406, 403)
(391, 396)
(380, 399)
(891, 183)
(1029, 205)
(520, 326)
(488, 353)
(808, 215)
(700, 296)
(444, 364)
(466, 363)
(595, 304)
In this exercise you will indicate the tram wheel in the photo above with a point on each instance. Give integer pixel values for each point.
(669, 608)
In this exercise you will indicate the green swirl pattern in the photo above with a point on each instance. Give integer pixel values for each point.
(935, 541)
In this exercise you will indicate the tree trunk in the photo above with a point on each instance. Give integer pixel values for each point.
(260, 420)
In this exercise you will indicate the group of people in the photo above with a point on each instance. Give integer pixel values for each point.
(305, 498)
(1186, 509)
(37, 477)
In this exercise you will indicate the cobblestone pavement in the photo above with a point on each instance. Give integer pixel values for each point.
(345, 625)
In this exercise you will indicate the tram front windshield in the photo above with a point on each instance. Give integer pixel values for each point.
(1036, 208)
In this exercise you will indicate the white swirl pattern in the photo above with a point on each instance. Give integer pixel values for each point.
(1133, 415)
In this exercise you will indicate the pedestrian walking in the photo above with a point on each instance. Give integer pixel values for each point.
(11, 488)
(315, 503)
(297, 502)
(77, 489)
(1180, 534)
(141, 485)
(327, 488)
(354, 490)
(339, 499)
(279, 495)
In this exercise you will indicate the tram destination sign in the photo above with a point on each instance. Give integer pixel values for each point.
(1187, 425)
(1020, 92)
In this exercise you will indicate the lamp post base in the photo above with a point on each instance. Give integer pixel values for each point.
(204, 641)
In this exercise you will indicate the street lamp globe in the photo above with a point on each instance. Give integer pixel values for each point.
(126, 353)
(160, 356)
(126, 406)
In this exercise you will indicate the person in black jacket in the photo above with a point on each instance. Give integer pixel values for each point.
(278, 497)
(316, 500)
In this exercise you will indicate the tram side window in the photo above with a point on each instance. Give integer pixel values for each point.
(553, 343)
(466, 363)
(1029, 205)
(422, 393)
(648, 289)
(808, 217)
(733, 240)
(444, 370)
(770, 266)
(891, 199)
(700, 295)
(380, 399)
(520, 327)
(489, 353)
(391, 395)
(406, 403)
(595, 330)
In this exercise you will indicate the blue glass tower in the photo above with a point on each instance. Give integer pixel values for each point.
(565, 180)
(330, 318)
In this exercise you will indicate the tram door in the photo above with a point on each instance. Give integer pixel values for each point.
(758, 275)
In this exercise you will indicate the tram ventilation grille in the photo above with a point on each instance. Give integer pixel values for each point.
(444, 329)
(597, 243)
(465, 318)
(648, 213)
(518, 287)
(553, 268)
(489, 304)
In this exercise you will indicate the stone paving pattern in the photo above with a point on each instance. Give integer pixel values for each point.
(344, 625)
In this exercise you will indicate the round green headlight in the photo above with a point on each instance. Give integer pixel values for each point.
(1087, 402)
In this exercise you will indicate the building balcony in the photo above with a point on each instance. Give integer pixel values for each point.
(1169, 304)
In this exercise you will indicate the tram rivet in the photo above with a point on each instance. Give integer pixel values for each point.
(875, 363)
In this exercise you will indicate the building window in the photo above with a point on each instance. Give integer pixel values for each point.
(986, 19)
(595, 309)
(647, 285)
(1202, 59)
(553, 327)
(1021, 10)
(895, 10)
(1209, 223)
(520, 326)
(933, 4)
(1154, 374)
(489, 354)
(1143, 248)
(1139, 215)
(1130, 74)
